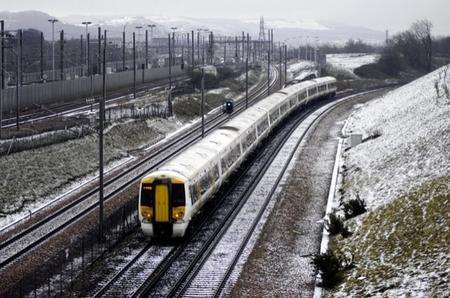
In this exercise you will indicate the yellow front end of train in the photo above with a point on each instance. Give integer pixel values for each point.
(163, 205)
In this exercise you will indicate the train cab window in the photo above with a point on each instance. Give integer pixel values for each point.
(178, 195)
(147, 195)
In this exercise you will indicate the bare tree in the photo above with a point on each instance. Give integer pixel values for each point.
(422, 32)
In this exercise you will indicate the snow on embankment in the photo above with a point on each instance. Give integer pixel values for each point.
(400, 246)
(351, 61)
(301, 70)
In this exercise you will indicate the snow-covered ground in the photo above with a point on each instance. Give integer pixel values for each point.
(414, 143)
(403, 175)
(300, 70)
(351, 61)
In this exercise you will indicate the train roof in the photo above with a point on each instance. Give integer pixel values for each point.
(205, 152)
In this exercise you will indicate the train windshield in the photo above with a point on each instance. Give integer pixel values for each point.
(147, 195)
(178, 195)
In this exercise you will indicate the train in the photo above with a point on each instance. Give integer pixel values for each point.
(173, 194)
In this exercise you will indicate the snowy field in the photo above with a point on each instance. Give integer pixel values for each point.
(351, 61)
(401, 245)
(300, 70)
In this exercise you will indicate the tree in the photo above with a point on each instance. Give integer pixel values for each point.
(422, 32)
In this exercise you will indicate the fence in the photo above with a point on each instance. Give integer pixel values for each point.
(75, 72)
(13, 145)
(150, 111)
(56, 276)
(76, 89)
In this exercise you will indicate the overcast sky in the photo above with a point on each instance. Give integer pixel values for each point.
(376, 14)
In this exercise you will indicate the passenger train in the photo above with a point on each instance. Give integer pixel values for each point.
(171, 196)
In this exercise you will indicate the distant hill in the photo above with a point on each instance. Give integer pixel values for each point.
(285, 30)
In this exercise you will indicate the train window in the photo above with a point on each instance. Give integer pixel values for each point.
(193, 192)
(235, 153)
(303, 95)
(284, 108)
(215, 173)
(147, 195)
(204, 183)
(251, 137)
(262, 126)
(293, 102)
(223, 164)
(178, 195)
(274, 115)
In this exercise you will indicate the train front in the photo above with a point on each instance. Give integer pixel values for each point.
(162, 205)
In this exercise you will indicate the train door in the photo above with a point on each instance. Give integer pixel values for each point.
(162, 205)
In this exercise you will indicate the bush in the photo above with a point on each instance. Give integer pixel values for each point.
(331, 268)
(354, 207)
(371, 71)
(335, 225)
(211, 81)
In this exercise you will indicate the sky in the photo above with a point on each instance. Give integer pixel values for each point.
(394, 15)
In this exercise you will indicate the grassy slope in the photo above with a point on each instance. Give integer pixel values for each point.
(30, 175)
(402, 247)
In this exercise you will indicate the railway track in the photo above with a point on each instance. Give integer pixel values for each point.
(24, 241)
(46, 113)
(185, 269)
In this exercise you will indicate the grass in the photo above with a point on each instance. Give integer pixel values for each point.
(33, 174)
(408, 236)
(190, 107)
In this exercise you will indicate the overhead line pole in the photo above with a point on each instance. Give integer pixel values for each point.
(123, 51)
(61, 54)
(101, 128)
(193, 50)
(41, 52)
(280, 63)
(285, 63)
(268, 72)
(18, 77)
(203, 102)
(246, 83)
(169, 103)
(99, 57)
(81, 55)
(134, 65)
(2, 71)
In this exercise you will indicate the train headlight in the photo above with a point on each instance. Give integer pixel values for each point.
(147, 212)
(178, 213)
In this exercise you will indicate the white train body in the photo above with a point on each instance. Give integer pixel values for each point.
(171, 196)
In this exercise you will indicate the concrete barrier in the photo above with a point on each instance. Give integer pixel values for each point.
(79, 88)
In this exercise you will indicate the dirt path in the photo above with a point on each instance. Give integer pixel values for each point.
(280, 264)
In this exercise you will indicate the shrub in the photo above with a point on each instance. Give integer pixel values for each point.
(335, 225)
(373, 135)
(331, 268)
(354, 207)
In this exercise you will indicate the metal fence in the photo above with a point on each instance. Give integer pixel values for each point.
(57, 275)
(69, 90)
